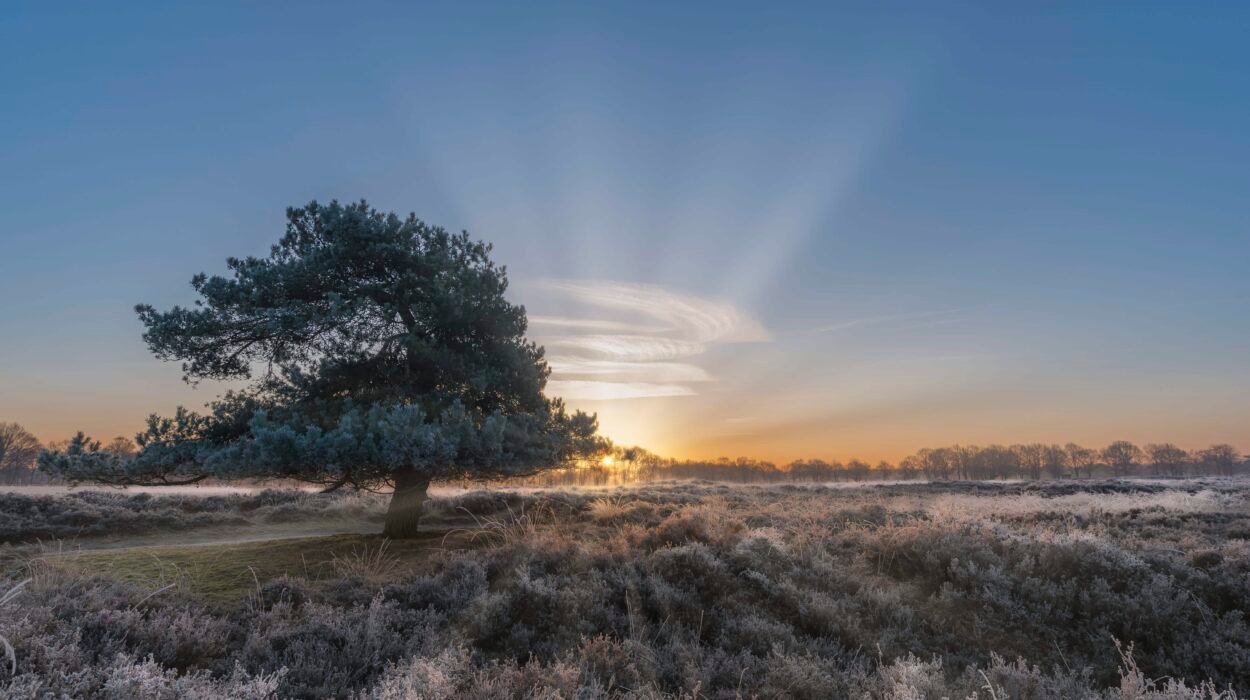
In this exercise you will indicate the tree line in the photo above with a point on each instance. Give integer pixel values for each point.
(1037, 461)
(19, 452)
(1034, 461)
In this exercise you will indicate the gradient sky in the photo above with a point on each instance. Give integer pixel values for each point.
(827, 230)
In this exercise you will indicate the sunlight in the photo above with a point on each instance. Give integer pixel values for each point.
(581, 390)
(608, 461)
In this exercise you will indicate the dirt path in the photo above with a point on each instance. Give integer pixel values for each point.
(226, 535)
(227, 565)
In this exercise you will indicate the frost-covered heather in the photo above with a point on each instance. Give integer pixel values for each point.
(708, 591)
(25, 518)
(1175, 500)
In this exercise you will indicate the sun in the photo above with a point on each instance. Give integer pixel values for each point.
(608, 461)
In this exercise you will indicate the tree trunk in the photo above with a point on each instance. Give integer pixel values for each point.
(407, 503)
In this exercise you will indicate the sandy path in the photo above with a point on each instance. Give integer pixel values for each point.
(233, 534)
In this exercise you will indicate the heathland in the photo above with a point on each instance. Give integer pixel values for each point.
(1089, 589)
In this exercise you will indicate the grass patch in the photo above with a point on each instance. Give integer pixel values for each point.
(227, 573)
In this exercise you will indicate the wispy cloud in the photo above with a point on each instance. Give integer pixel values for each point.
(608, 391)
(612, 370)
(631, 353)
(636, 348)
(691, 317)
(593, 324)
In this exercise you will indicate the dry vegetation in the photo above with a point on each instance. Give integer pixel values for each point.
(113, 514)
(695, 590)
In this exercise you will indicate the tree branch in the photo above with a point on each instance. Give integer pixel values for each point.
(335, 486)
(181, 482)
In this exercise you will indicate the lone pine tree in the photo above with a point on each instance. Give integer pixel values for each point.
(381, 351)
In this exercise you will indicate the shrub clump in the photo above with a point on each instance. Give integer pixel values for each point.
(700, 592)
(27, 518)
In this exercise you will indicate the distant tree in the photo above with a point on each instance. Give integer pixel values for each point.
(885, 470)
(1055, 461)
(995, 462)
(805, 469)
(1121, 456)
(908, 467)
(965, 458)
(1167, 459)
(1030, 459)
(1220, 459)
(18, 451)
(981, 465)
(858, 470)
(936, 463)
(1080, 459)
(388, 356)
(56, 446)
(121, 447)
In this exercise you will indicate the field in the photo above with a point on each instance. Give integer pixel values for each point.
(1101, 589)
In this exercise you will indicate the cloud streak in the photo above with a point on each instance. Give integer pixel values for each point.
(593, 324)
(579, 390)
(612, 370)
(632, 352)
(635, 348)
(692, 318)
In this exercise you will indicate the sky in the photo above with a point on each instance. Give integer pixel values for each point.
(759, 229)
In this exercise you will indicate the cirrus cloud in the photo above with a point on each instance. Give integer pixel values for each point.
(626, 344)
(613, 370)
(688, 316)
(593, 324)
(580, 390)
(636, 348)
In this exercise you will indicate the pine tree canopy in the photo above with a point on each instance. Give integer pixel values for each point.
(372, 346)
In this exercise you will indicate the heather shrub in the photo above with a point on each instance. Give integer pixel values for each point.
(1007, 589)
(459, 581)
(542, 603)
(327, 650)
(86, 514)
(689, 591)
(284, 590)
(475, 503)
(125, 678)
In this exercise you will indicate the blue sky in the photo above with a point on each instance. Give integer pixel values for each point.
(874, 226)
